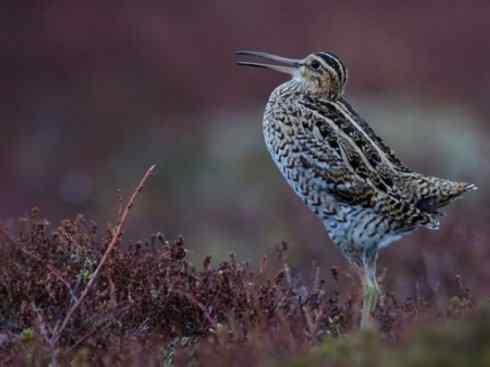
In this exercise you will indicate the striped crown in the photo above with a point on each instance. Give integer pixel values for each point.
(328, 73)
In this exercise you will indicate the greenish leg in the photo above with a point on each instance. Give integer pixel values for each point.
(370, 292)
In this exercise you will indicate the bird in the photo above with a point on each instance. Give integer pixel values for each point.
(343, 171)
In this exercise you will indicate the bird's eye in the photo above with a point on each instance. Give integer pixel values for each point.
(315, 65)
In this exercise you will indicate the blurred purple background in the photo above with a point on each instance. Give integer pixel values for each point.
(92, 95)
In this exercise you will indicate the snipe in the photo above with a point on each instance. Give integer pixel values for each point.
(364, 195)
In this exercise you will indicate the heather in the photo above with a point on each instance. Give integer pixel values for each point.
(75, 293)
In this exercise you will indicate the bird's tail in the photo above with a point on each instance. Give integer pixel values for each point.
(436, 193)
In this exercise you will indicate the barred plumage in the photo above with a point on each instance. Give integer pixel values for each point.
(361, 191)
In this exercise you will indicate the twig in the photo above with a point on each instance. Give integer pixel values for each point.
(57, 275)
(198, 304)
(100, 325)
(115, 238)
(53, 271)
(316, 281)
(43, 326)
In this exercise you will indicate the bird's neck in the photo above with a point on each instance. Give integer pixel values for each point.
(300, 87)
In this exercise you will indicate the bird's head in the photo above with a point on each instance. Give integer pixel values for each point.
(321, 73)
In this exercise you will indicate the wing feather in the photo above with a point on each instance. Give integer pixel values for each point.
(337, 169)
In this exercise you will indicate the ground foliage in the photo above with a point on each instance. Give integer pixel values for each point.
(150, 306)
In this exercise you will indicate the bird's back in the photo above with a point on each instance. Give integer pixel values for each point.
(427, 193)
(345, 172)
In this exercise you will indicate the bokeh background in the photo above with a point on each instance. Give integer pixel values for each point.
(91, 94)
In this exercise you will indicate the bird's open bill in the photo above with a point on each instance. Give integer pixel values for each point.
(278, 63)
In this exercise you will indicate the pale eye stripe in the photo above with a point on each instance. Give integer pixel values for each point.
(333, 72)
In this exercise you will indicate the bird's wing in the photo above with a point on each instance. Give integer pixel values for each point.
(326, 162)
(333, 149)
(389, 153)
(331, 175)
(341, 168)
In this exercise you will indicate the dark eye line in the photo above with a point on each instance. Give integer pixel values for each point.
(315, 65)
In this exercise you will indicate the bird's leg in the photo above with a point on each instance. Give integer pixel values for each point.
(370, 290)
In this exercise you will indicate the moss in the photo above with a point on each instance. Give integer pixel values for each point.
(26, 335)
(455, 343)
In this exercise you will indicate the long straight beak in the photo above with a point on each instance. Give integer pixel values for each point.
(281, 64)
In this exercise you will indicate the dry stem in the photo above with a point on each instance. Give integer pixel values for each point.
(115, 238)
